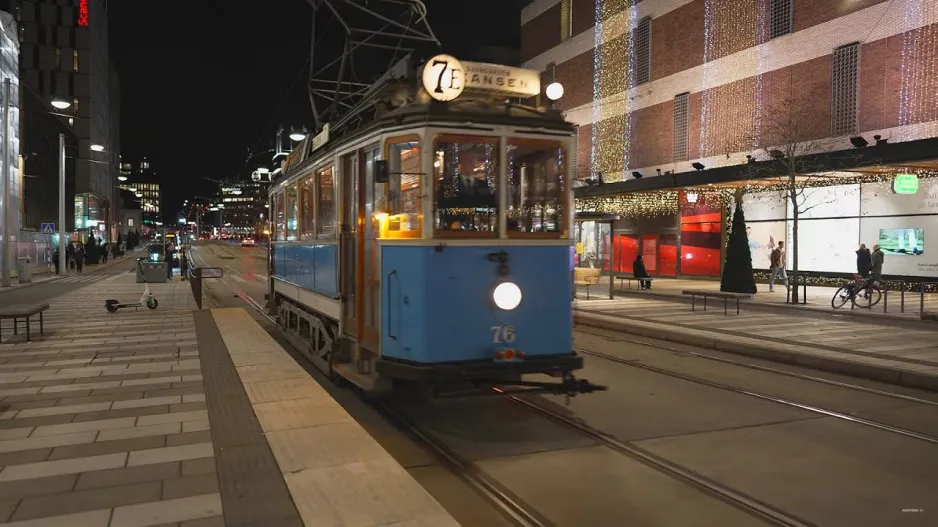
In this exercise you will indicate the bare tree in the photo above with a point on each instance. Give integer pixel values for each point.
(789, 138)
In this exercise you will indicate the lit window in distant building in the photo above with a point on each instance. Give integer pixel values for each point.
(75, 104)
(75, 60)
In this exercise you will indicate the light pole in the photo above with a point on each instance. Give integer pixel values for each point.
(62, 232)
(7, 202)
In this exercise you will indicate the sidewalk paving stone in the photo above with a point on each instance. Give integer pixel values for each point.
(92, 415)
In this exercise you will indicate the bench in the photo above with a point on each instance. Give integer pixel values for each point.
(25, 312)
(694, 293)
(585, 277)
(623, 277)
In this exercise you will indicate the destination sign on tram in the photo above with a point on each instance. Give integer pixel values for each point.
(445, 78)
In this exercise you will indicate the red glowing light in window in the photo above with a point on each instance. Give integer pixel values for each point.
(83, 13)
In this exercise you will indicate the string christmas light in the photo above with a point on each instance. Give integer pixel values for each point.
(613, 73)
(730, 111)
(919, 70)
(665, 202)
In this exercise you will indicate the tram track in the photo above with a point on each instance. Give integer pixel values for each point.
(519, 512)
(767, 397)
(739, 500)
(620, 337)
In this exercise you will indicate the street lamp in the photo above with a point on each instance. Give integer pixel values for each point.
(554, 91)
(97, 148)
(60, 104)
(122, 178)
(298, 134)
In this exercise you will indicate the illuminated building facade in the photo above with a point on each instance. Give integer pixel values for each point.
(143, 183)
(243, 213)
(65, 56)
(679, 103)
(659, 84)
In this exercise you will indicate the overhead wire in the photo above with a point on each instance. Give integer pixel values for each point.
(286, 97)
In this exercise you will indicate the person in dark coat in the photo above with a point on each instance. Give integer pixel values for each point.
(864, 261)
(639, 271)
(877, 263)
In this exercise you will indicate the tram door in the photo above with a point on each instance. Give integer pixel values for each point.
(348, 242)
(369, 287)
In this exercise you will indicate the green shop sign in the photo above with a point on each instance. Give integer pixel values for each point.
(905, 184)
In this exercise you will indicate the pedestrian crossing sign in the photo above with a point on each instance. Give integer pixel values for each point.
(48, 228)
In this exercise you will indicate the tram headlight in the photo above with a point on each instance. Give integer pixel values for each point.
(507, 296)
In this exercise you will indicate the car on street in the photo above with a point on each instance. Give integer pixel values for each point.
(247, 242)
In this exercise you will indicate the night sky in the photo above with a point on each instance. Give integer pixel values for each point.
(204, 81)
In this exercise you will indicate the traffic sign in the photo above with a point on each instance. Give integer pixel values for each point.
(48, 228)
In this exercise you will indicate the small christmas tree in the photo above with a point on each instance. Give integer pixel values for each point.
(737, 272)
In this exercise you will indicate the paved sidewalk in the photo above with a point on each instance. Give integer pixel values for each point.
(818, 297)
(107, 421)
(901, 355)
(103, 422)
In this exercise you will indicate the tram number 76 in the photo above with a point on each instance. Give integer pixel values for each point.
(502, 334)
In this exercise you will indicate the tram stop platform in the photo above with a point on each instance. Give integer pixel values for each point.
(182, 417)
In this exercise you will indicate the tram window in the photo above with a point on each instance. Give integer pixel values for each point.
(465, 172)
(280, 218)
(404, 187)
(307, 211)
(291, 211)
(536, 199)
(326, 219)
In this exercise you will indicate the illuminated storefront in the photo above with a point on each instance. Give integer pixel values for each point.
(89, 216)
(683, 232)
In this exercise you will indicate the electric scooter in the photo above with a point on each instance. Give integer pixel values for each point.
(146, 299)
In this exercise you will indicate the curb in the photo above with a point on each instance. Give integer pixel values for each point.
(751, 347)
(884, 319)
(96, 270)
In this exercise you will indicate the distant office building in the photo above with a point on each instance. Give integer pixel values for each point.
(243, 208)
(142, 182)
(65, 57)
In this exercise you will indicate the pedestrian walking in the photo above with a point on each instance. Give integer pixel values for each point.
(55, 260)
(183, 265)
(169, 262)
(777, 263)
(104, 252)
(79, 256)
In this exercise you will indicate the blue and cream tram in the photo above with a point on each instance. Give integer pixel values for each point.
(432, 245)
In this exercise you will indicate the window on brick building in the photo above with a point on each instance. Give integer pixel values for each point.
(781, 15)
(679, 148)
(566, 19)
(844, 90)
(549, 75)
(642, 42)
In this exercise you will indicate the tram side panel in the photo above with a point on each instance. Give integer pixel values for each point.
(312, 267)
(437, 305)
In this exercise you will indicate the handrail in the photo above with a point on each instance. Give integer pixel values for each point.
(196, 274)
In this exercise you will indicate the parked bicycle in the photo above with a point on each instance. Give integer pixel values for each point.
(862, 292)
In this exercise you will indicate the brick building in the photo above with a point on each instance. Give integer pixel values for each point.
(658, 85)
(700, 79)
